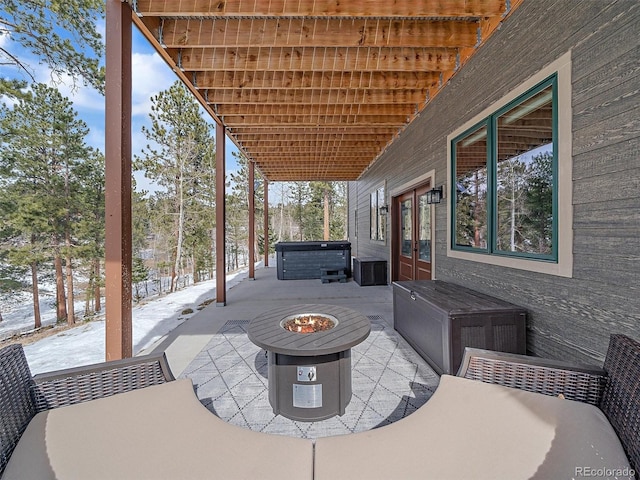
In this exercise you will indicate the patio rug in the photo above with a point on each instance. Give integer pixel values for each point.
(389, 381)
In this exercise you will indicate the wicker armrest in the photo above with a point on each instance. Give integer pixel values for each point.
(549, 377)
(75, 385)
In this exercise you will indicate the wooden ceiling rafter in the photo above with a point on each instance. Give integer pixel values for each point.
(320, 87)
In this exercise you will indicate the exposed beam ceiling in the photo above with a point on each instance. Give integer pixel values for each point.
(316, 90)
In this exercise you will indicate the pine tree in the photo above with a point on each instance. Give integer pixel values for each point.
(182, 162)
(240, 188)
(89, 225)
(299, 194)
(42, 148)
(62, 34)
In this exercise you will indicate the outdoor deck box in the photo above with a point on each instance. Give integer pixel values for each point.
(369, 271)
(304, 260)
(439, 319)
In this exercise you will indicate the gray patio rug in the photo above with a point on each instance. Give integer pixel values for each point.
(389, 381)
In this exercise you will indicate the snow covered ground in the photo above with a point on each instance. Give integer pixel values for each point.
(85, 344)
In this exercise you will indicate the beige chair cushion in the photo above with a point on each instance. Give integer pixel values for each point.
(160, 432)
(473, 430)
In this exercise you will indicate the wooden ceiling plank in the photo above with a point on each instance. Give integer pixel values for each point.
(282, 132)
(306, 142)
(315, 80)
(366, 152)
(356, 141)
(321, 8)
(234, 121)
(181, 32)
(316, 59)
(311, 162)
(315, 97)
(331, 109)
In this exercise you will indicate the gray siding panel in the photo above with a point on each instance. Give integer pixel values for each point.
(570, 318)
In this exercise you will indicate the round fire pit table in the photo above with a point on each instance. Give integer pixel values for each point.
(309, 357)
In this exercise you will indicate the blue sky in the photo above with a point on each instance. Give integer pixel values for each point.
(150, 75)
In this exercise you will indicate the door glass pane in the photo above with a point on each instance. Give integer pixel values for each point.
(373, 216)
(524, 176)
(424, 228)
(471, 190)
(406, 227)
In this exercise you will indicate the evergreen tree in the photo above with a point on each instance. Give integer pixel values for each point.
(62, 34)
(338, 212)
(299, 194)
(139, 274)
(237, 230)
(89, 225)
(539, 203)
(41, 152)
(511, 191)
(182, 162)
(313, 211)
(240, 188)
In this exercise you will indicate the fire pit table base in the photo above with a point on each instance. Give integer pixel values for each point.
(309, 371)
(309, 389)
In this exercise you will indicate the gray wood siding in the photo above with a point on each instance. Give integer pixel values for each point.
(569, 318)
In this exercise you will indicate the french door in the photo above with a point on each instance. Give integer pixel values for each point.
(412, 235)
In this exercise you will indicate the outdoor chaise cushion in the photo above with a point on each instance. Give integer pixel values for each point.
(469, 429)
(159, 432)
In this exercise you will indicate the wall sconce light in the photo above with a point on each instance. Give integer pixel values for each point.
(383, 209)
(434, 195)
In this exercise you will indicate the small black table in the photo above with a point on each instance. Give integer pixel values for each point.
(309, 374)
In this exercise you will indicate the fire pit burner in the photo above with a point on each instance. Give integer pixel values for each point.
(309, 322)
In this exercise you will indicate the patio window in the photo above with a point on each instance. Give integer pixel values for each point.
(504, 179)
(378, 218)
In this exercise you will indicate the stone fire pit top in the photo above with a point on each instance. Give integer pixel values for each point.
(266, 332)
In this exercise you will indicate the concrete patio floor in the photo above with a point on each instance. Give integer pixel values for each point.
(390, 380)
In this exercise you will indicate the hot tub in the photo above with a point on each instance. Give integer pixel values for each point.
(304, 260)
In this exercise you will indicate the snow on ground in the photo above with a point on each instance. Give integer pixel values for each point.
(17, 311)
(85, 344)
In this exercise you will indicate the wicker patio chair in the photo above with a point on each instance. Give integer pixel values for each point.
(23, 396)
(615, 388)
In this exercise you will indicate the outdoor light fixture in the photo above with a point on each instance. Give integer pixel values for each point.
(434, 195)
(384, 209)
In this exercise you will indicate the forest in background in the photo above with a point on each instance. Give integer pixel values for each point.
(52, 203)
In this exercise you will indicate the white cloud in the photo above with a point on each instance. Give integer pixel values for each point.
(150, 75)
(83, 97)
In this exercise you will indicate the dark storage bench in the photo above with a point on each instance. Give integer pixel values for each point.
(440, 319)
(369, 271)
(303, 260)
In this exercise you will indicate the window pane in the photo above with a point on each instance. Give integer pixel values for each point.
(524, 177)
(373, 216)
(471, 190)
(381, 219)
(424, 228)
(406, 223)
